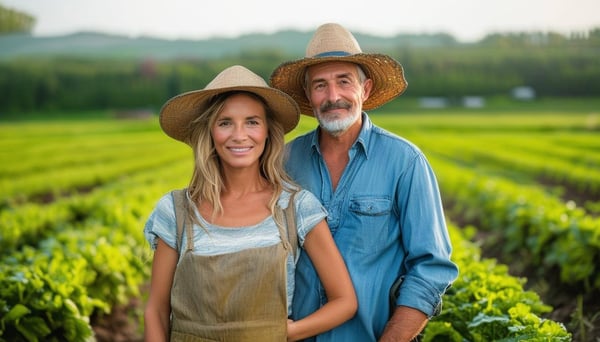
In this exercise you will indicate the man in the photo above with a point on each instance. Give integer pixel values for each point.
(383, 202)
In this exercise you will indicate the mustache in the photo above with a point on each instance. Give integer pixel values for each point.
(339, 104)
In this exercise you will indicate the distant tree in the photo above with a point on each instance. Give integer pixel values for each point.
(524, 39)
(13, 21)
(542, 39)
(594, 36)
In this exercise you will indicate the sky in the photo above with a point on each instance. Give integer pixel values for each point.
(466, 20)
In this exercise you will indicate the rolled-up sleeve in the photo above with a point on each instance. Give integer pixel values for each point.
(426, 241)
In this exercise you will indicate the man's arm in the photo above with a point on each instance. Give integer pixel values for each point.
(406, 323)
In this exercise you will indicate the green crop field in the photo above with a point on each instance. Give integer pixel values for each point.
(521, 190)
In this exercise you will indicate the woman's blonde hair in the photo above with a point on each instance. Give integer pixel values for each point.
(206, 183)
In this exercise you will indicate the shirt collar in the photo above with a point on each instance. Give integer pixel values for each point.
(362, 141)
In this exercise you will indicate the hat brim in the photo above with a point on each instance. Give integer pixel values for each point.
(178, 112)
(387, 75)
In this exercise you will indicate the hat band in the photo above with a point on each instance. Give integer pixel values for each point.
(333, 54)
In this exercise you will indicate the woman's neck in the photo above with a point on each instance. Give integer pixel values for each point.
(238, 183)
(245, 200)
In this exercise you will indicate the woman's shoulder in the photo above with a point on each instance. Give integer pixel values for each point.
(165, 203)
(305, 202)
(299, 194)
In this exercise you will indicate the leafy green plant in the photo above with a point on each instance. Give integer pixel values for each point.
(487, 304)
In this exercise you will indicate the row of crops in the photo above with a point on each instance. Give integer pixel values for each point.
(75, 195)
(495, 183)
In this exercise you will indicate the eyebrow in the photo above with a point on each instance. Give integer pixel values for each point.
(255, 117)
(227, 117)
(338, 76)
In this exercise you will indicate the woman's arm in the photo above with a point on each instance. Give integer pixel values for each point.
(158, 309)
(341, 299)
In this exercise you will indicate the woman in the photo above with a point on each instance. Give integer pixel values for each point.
(233, 277)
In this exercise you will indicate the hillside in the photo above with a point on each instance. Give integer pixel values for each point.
(94, 44)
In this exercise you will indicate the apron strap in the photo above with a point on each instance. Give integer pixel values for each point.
(290, 217)
(290, 220)
(180, 206)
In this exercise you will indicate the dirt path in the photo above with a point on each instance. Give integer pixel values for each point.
(124, 324)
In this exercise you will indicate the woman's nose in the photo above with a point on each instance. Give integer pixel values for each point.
(239, 132)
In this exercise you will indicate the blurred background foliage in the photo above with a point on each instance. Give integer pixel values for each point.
(88, 70)
(14, 21)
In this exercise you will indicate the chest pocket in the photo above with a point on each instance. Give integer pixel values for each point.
(366, 228)
(370, 206)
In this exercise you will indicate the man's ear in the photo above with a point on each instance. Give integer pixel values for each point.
(367, 87)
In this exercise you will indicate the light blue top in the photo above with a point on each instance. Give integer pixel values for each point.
(387, 220)
(215, 240)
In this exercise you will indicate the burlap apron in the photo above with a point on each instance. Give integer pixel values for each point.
(233, 297)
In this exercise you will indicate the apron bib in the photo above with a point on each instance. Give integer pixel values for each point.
(234, 297)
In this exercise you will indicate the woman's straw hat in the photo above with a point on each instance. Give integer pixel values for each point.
(178, 112)
(333, 43)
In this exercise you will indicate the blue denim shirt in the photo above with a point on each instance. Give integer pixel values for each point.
(387, 219)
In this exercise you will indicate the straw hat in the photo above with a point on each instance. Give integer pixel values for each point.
(178, 112)
(333, 43)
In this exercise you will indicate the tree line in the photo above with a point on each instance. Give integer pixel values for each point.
(13, 21)
(69, 83)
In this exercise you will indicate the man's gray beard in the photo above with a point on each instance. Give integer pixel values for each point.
(337, 126)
